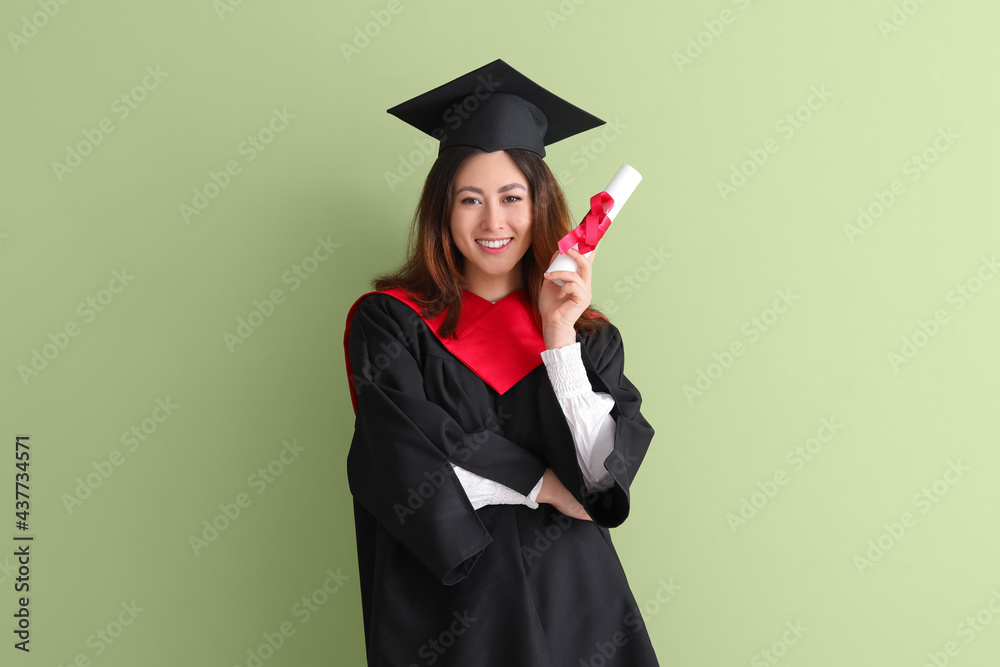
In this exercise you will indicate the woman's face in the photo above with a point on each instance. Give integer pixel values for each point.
(491, 217)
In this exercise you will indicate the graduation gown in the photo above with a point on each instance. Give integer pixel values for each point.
(506, 585)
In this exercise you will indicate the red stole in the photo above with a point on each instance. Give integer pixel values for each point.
(500, 342)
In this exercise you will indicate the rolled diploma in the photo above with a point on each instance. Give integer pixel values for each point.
(620, 188)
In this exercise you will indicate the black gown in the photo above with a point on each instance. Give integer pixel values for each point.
(506, 585)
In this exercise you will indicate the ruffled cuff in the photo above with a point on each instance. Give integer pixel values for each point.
(533, 494)
(566, 371)
(482, 491)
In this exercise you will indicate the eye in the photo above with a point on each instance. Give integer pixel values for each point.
(470, 200)
(511, 198)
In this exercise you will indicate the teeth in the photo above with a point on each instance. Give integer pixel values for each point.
(493, 244)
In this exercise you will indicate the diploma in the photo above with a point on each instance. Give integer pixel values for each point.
(604, 206)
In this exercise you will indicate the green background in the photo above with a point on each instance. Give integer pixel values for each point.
(885, 79)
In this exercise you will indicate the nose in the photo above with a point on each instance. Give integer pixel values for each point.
(492, 218)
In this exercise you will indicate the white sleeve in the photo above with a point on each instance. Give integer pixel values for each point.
(482, 491)
(588, 413)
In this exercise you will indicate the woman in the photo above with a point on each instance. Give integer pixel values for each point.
(496, 435)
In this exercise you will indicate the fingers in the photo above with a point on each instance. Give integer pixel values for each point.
(581, 276)
(554, 493)
(573, 285)
(571, 508)
(565, 276)
(569, 300)
(578, 512)
(584, 263)
(580, 259)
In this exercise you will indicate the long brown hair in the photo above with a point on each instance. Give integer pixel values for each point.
(432, 273)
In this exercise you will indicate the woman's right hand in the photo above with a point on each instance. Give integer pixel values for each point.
(554, 493)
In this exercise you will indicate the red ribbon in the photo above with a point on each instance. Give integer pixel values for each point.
(589, 232)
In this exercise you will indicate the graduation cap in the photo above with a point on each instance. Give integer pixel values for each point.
(494, 108)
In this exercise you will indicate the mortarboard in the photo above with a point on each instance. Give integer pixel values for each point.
(494, 108)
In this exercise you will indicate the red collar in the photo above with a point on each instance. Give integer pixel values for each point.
(500, 342)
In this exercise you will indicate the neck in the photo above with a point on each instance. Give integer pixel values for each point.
(493, 288)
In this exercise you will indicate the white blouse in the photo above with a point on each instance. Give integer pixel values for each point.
(590, 422)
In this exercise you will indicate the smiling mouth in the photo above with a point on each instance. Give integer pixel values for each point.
(491, 243)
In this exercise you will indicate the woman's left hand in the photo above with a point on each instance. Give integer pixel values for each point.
(561, 306)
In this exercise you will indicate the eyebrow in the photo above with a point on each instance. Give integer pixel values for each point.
(479, 191)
